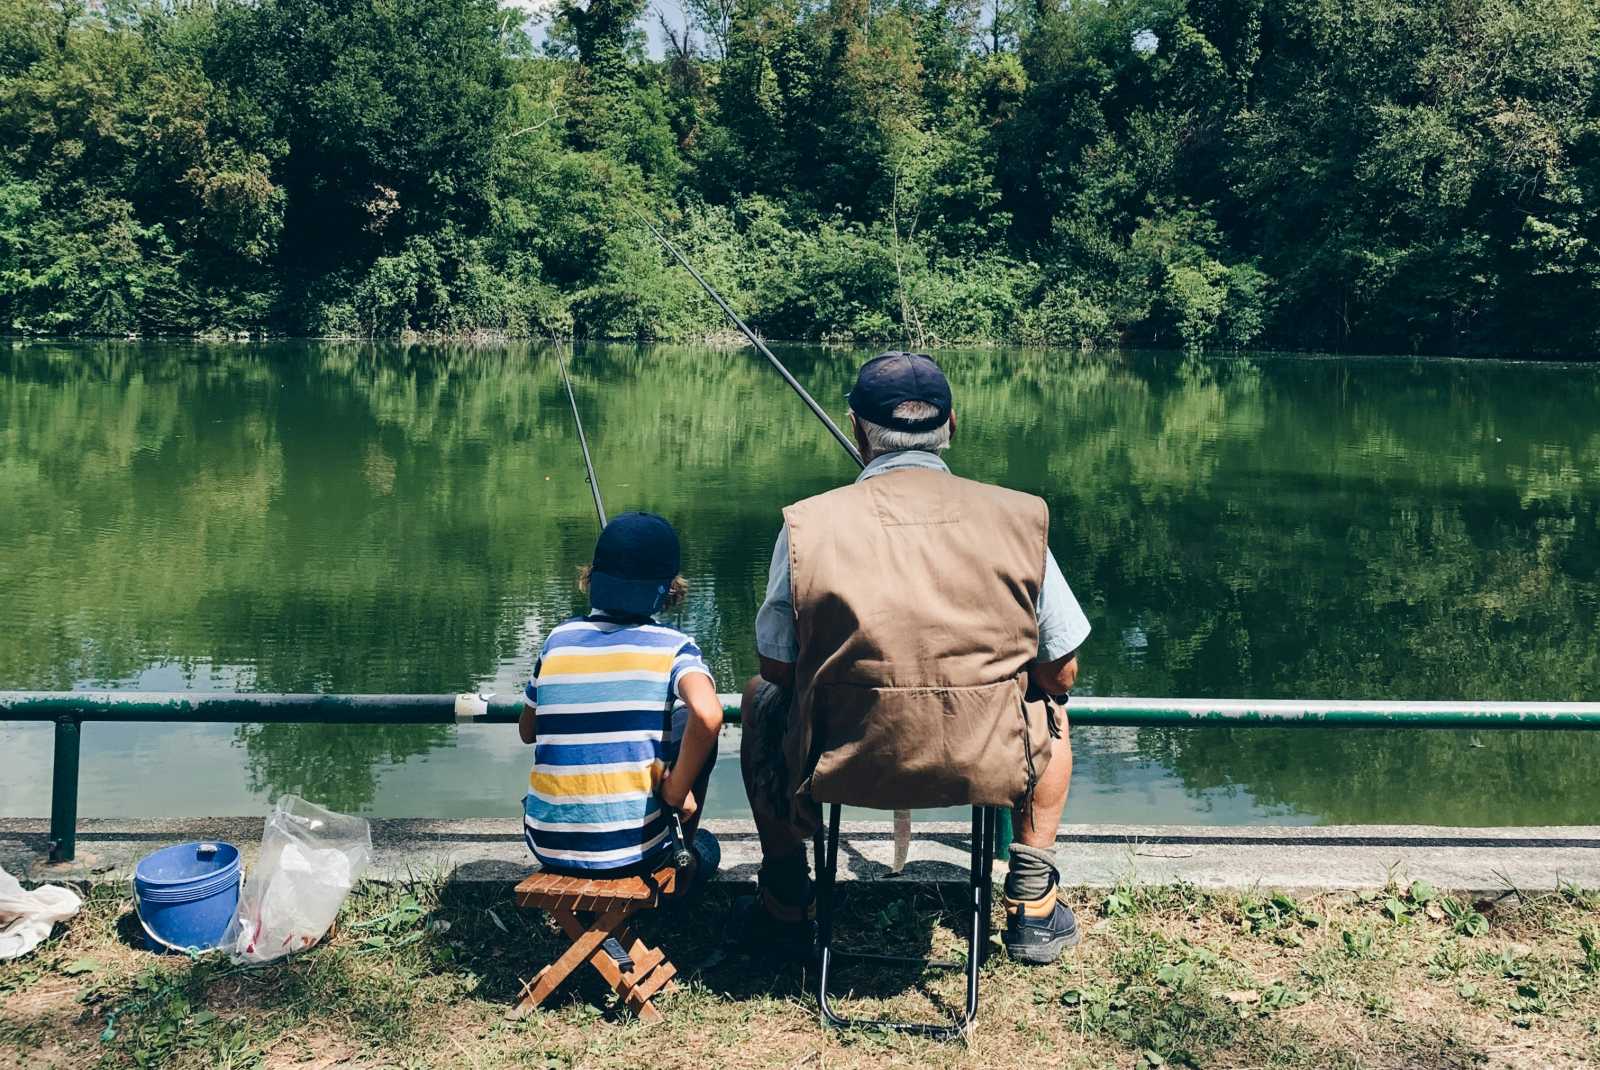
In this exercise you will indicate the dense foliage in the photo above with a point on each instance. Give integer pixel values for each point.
(1375, 174)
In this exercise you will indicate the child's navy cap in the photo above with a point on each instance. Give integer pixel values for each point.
(635, 562)
(891, 378)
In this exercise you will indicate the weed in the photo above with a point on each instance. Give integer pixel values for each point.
(1377, 1004)
(1528, 1000)
(21, 978)
(1464, 919)
(1185, 969)
(900, 914)
(1504, 963)
(1419, 898)
(404, 916)
(1176, 1025)
(1359, 943)
(1448, 960)
(1278, 996)
(1271, 914)
(1584, 899)
(1589, 944)
(159, 1018)
(1120, 903)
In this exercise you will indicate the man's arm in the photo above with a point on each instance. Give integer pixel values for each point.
(1055, 677)
(525, 727)
(1062, 631)
(775, 637)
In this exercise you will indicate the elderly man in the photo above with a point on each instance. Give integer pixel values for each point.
(917, 643)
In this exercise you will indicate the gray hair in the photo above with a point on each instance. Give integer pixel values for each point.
(882, 439)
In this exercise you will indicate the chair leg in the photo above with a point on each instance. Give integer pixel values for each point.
(651, 972)
(979, 901)
(585, 943)
(978, 893)
(827, 849)
(988, 885)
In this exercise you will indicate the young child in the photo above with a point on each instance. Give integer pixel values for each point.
(623, 716)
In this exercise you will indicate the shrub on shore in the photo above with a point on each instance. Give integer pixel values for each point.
(1397, 176)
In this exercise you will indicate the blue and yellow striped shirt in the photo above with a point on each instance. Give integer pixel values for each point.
(602, 692)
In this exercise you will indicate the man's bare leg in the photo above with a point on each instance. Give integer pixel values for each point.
(1039, 925)
(1040, 822)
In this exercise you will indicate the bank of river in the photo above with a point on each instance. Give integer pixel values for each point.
(421, 974)
(314, 516)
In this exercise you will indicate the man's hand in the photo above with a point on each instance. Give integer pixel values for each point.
(1055, 677)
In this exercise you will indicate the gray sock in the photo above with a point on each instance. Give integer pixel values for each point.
(1029, 875)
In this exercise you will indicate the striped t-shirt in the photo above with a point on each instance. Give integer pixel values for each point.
(602, 691)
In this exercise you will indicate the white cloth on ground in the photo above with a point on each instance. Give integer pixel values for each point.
(26, 918)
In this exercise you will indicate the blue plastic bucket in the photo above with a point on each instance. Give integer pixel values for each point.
(186, 895)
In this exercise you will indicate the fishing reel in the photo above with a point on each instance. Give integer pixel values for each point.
(682, 857)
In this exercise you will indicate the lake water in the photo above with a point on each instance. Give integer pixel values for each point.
(320, 517)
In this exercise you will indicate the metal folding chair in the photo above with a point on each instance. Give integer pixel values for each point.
(980, 895)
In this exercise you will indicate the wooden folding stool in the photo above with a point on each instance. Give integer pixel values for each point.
(611, 903)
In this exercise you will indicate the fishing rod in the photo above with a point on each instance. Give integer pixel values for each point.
(681, 858)
(583, 442)
(902, 818)
(794, 384)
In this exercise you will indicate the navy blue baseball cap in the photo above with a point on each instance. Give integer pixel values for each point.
(635, 561)
(889, 379)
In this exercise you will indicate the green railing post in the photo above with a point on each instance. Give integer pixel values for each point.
(1004, 835)
(64, 792)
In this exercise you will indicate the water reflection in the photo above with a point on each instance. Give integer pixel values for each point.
(379, 518)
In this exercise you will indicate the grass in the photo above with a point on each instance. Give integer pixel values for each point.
(419, 975)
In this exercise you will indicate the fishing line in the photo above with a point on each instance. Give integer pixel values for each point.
(682, 859)
(794, 384)
(583, 442)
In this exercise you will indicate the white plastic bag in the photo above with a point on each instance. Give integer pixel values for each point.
(310, 859)
(26, 918)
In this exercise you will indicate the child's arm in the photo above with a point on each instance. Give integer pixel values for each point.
(699, 737)
(525, 725)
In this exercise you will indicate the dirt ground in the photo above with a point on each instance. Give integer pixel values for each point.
(421, 975)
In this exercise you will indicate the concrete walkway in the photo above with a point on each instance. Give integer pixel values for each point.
(1291, 858)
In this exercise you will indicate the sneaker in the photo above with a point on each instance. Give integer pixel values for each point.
(757, 931)
(1038, 931)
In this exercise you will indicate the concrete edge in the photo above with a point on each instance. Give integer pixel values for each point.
(1292, 858)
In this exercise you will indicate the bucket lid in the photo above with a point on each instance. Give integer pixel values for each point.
(186, 864)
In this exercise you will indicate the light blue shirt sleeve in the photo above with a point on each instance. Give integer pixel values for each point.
(1062, 625)
(775, 635)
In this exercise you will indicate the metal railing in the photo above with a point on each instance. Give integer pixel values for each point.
(69, 709)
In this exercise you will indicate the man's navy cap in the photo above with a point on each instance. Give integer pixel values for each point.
(889, 379)
(635, 562)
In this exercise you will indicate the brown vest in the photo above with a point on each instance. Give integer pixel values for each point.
(914, 595)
